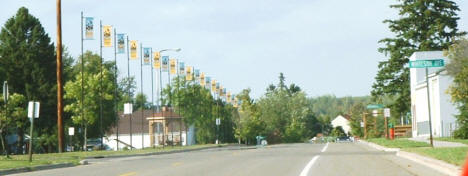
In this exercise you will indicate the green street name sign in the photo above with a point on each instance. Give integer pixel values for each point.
(375, 106)
(426, 63)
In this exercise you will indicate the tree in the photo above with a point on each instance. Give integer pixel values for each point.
(27, 61)
(141, 102)
(458, 69)
(338, 132)
(423, 26)
(91, 100)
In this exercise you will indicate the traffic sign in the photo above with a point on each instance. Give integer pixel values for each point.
(71, 131)
(375, 113)
(33, 109)
(218, 121)
(387, 112)
(375, 106)
(128, 108)
(426, 63)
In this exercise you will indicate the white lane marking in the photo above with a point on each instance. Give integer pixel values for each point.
(324, 148)
(306, 169)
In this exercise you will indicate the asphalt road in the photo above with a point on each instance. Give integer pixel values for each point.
(276, 160)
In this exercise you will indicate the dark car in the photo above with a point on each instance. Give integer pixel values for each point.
(343, 139)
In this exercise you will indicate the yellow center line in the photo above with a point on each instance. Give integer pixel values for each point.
(177, 164)
(129, 174)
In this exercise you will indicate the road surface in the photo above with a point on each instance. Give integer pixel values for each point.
(276, 160)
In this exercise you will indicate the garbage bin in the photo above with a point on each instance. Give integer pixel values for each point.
(392, 131)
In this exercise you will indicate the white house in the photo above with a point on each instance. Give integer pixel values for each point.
(442, 110)
(342, 121)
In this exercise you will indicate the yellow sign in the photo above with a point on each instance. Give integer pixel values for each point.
(235, 102)
(189, 76)
(220, 90)
(133, 49)
(202, 79)
(228, 97)
(213, 85)
(156, 60)
(107, 31)
(172, 66)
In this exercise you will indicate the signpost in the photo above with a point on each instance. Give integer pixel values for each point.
(386, 116)
(426, 64)
(218, 122)
(5, 100)
(375, 106)
(71, 132)
(128, 109)
(33, 112)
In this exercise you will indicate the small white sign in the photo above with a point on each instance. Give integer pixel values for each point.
(387, 112)
(35, 111)
(128, 108)
(362, 124)
(218, 121)
(375, 113)
(71, 131)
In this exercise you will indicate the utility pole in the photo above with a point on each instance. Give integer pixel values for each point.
(59, 78)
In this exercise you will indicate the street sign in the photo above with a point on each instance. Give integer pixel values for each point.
(218, 121)
(426, 63)
(387, 112)
(375, 106)
(362, 124)
(5, 91)
(375, 113)
(71, 131)
(33, 109)
(128, 108)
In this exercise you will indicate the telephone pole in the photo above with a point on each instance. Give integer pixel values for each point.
(59, 78)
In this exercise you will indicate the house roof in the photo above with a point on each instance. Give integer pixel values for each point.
(138, 118)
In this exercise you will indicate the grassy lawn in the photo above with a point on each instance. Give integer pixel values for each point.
(449, 139)
(398, 143)
(18, 161)
(453, 155)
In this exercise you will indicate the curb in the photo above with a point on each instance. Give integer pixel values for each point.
(439, 165)
(35, 168)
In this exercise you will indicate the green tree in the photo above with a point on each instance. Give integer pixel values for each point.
(91, 102)
(458, 69)
(141, 102)
(338, 132)
(423, 26)
(27, 62)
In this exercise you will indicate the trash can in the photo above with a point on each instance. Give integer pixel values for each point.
(392, 131)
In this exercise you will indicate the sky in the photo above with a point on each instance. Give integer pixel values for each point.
(324, 46)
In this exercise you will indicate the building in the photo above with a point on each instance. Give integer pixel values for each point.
(149, 129)
(342, 121)
(442, 110)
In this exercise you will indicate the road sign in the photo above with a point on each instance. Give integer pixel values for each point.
(128, 108)
(5, 91)
(33, 109)
(375, 113)
(362, 124)
(71, 131)
(387, 112)
(218, 121)
(426, 63)
(375, 106)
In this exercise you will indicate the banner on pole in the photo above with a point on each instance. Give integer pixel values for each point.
(165, 63)
(197, 74)
(207, 82)
(228, 97)
(189, 74)
(89, 27)
(107, 32)
(172, 66)
(146, 56)
(217, 87)
(181, 68)
(133, 49)
(213, 85)
(120, 43)
(156, 60)
(202, 79)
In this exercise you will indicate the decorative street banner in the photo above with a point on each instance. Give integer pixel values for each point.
(220, 90)
(133, 49)
(202, 79)
(165, 62)
(173, 69)
(120, 43)
(156, 60)
(89, 28)
(235, 102)
(181, 68)
(189, 76)
(197, 74)
(107, 31)
(217, 87)
(146, 56)
(228, 97)
(207, 82)
(213, 85)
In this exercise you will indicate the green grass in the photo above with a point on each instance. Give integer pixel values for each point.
(398, 143)
(453, 155)
(19, 161)
(449, 139)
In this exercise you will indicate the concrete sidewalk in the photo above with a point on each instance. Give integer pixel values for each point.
(438, 144)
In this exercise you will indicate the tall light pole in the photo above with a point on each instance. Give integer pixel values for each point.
(59, 78)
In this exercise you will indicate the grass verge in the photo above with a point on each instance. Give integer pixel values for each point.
(398, 143)
(452, 155)
(449, 139)
(20, 161)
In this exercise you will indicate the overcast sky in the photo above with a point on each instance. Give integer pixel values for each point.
(324, 46)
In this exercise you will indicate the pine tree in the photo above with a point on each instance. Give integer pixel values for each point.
(27, 62)
(424, 25)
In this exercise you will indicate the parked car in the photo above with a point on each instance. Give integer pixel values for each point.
(343, 139)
